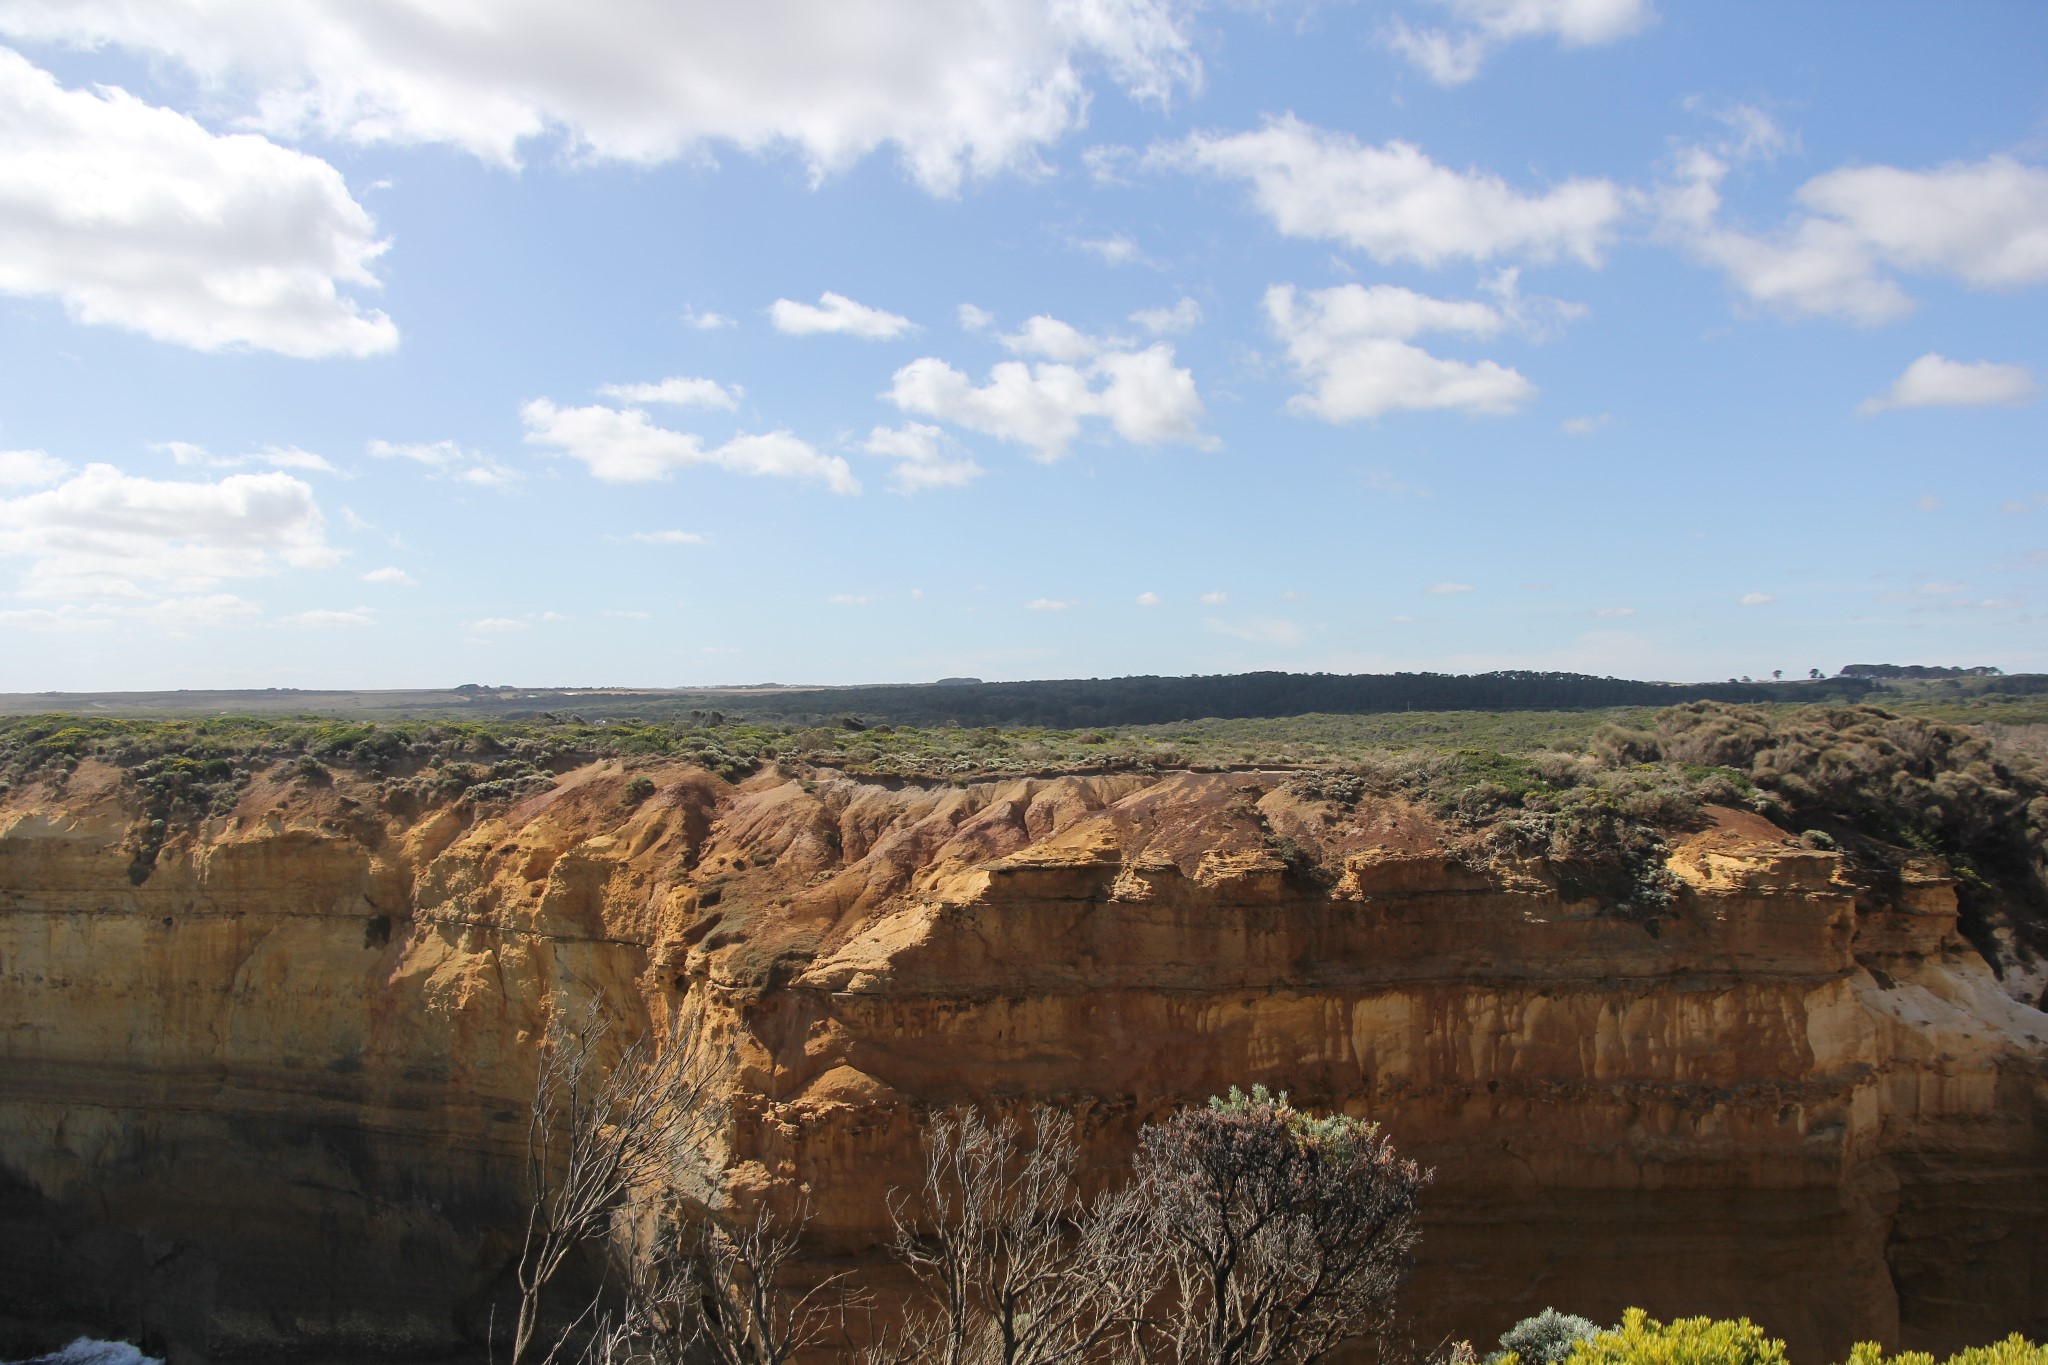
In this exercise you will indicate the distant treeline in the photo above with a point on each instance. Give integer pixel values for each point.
(1079, 703)
(1918, 671)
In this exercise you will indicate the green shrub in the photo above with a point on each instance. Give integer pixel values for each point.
(1642, 1340)
(2014, 1350)
(638, 789)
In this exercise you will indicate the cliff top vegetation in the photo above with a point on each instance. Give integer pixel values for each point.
(1596, 792)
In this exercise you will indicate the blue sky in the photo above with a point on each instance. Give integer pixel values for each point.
(384, 343)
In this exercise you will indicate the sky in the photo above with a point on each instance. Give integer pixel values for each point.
(408, 343)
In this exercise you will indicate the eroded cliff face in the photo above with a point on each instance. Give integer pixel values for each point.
(271, 1099)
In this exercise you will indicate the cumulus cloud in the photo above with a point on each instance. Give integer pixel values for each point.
(679, 392)
(390, 577)
(1352, 346)
(1214, 599)
(106, 534)
(836, 313)
(1613, 612)
(1184, 316)
(925, 456)
(1148, 599)
(1755, 599)
(1050, 339)
(30, 468)
(448, 460)
(496, 625)
(1050, 604)
(138, 217)
(1935, 381)
(1983, 224)
(1586, 426)
(646, 81)
(622, 446)
(1447, 589)
(1143, 396)
(1395, 204)
(973, 319)
(706, 322)
(1454, 55)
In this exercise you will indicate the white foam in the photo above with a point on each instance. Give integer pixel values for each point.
(87, 1351)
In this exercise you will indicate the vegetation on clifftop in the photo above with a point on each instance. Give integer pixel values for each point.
(1598, 793)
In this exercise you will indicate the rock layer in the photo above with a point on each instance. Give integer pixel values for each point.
(270, 1099)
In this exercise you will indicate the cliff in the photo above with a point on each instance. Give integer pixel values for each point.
(267, 1096)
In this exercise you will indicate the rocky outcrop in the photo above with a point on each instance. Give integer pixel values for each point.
(270, 1098)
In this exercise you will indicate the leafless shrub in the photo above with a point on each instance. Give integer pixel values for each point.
(1014, 1267)
(598, 1136)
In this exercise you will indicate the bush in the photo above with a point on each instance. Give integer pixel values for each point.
(2014, 1350)
(1545, 1339)
(638, 789)
(1280, 1233)
(1642, 1340)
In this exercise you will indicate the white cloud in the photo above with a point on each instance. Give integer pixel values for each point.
(956, 90)
(188, 455)
(1935, 381)
(925, 457)
(1755, 599)
(106, 534)
(836, 313)
(1182, 317)
(137, 217)
(1143, 395)
(679, 392)
(1214, 599)
(973, 319)
(622, 446)
(1447, 589)
(1395, 204)
(448, 460)
(332, 620)
(1350, 345)
(496, 625)
(1982, 223)
(1050, 604)
(179, 615)
(390, 576)
(706, 322)
(666, 537)
(1148, 599)
(1614, 611)
(1586, 426)
(1051, 339)
(1264, 631)
(1115, 249)
(849, 599)
(1454, 56)
(30, 468)
(291, 457)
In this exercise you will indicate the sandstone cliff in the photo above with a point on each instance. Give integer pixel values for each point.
(269, 1097)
